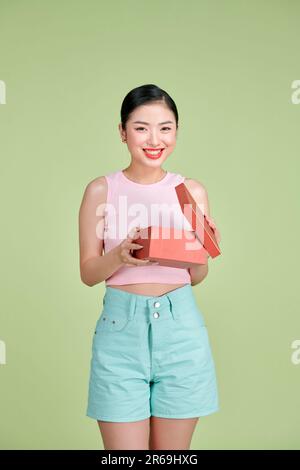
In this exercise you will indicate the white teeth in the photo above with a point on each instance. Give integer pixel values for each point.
(153, 152)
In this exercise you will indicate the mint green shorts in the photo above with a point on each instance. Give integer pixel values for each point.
(151, 356)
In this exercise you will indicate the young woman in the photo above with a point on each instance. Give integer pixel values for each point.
(152, 371)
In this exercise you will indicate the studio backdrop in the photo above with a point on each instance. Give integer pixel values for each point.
(233, 69)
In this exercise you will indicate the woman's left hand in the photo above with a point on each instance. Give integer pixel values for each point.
(213, 226)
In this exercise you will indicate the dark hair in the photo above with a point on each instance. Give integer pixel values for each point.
(142, 95)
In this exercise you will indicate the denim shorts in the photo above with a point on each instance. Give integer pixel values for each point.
(151, 356)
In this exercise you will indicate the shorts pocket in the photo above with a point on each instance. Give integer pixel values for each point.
(189, 314)
(112, 319)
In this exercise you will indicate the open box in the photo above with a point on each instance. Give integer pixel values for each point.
(179, 248)
(170, 247)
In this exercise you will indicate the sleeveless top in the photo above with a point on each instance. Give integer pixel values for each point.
(130, 204)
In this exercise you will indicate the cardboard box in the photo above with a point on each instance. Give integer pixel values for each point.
(170, 247)
(197, 220)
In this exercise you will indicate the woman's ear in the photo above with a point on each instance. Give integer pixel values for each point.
(122, 132)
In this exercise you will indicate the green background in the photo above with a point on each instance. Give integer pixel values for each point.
(229, 66)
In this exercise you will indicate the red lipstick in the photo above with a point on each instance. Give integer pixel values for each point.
(153, 156)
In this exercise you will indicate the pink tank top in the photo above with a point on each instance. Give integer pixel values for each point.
(131, 204)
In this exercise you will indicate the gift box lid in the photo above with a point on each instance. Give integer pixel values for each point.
(197, 219)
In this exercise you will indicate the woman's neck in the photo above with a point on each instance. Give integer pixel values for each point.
(144, 176)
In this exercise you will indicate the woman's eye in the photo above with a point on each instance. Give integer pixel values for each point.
(139, 128)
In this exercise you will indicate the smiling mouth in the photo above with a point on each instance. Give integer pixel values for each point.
(153, 153)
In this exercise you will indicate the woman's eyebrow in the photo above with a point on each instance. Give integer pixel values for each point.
(147, 123)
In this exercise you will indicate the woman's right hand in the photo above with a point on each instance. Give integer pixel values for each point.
(127, 245)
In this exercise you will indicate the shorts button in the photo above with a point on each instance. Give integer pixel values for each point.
(156, 304)
(156, 314)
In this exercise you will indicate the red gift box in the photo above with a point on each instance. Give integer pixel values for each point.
(197, 220)
(170, 247)
(179, 248)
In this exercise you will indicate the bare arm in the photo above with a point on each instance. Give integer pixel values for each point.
(95, 267)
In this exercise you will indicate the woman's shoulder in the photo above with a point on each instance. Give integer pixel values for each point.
(193, 184)
(97, 184)
(96, 189)
(100, 187)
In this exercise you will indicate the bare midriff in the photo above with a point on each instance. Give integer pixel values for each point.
(148, 288)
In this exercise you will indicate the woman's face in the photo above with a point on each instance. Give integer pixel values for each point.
(150, 126)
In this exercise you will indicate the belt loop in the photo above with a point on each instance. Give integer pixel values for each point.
(174, 311)
(132, 305)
